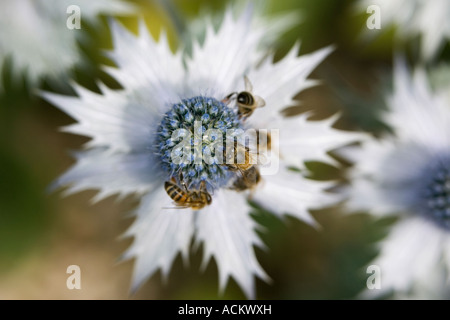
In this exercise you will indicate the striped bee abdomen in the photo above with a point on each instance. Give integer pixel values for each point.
(175, 192)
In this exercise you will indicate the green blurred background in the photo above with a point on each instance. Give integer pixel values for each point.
(41, 234)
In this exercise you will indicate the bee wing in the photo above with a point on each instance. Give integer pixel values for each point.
(248, 84)
(259, 102)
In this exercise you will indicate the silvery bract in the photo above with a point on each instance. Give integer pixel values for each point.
(408, 174)
(164, 94)
(429, 19)
(35, 35)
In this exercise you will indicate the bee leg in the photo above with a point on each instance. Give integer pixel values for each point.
(185, 186)
(182, 182)
(242, 116)
(203, 187)
(227, 99)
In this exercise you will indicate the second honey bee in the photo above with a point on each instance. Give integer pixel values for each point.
(246, 101)
(184, 198)
(232, 161)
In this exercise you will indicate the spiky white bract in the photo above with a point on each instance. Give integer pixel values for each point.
(408, 174)
(412, 18)
(34, 33)
(123, 123)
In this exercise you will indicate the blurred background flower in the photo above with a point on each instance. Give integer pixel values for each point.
(408, 174)
(425, 21)
(42, 234)
(38, 38)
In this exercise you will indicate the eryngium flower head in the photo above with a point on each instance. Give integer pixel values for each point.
(428, 19)
(151, 137)
(34, 33)
(408, 174)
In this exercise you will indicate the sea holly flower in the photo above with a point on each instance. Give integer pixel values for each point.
(150, 139)
(408, 174)
(34, 33)
(411, 18)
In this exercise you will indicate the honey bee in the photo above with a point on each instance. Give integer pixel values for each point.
(183, 198)
(234, 165)
(246, 101)
(248, 180)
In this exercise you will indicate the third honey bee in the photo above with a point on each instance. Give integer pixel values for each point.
(246, 101)
(248, 180)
